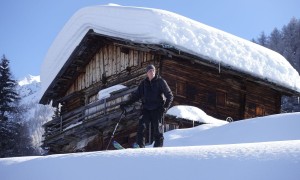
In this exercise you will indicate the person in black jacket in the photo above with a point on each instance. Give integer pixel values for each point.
(156, 99)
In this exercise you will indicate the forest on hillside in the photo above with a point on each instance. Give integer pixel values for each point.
(285, 41)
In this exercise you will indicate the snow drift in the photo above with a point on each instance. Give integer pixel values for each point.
(274, 153)
(262, 129)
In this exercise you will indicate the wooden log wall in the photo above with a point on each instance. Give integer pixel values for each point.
(109, 60)
(261, 101)
(107, 67)
(220, 95)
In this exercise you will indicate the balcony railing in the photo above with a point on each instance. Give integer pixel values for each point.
(93, 115)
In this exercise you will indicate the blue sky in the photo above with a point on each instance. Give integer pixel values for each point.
(28, 28)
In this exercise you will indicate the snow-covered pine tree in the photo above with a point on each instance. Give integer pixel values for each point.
(262, 39)
(14, 135)
(8, 95)
(291, 51)
(275, 41)
(291, 41)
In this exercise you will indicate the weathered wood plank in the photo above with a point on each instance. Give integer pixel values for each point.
(135, 58)
(106, 63)
(206, 81)
(111, 63)
(97, 70)
(118, 59)
(101, 61)
(94, 73)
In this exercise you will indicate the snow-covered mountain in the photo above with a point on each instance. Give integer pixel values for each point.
(29, 88)
(34, 114)
(260, 148)
(30, 79)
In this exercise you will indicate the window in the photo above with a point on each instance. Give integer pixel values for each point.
(221, 98)
(259, 111)
(92, 98)
(218, 98)
(254, 110)
(169, 127)
(181, 88)
(191, 92)
(211, 98)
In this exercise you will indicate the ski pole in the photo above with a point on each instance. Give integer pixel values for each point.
(112, 136)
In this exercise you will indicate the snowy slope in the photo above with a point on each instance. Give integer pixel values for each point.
(274, 153)
(153, 26)
(271, 128)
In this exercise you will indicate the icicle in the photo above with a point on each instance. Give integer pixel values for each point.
(298, 100)
(219, 67)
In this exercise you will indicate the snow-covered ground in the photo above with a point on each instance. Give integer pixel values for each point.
(259, 148)
(279, 127)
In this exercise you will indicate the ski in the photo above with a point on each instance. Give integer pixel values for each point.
(135, 145)
(119, 146)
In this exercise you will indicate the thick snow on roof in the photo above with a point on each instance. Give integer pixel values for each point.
(106, 93)
(194, 114)
(153, 26)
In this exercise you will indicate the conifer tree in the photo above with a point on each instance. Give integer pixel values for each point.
(286, 42)
(275, 41)
(263, 40)
(291, 40)
(8, 95)
(14, 135)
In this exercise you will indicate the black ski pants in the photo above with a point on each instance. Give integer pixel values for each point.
(156, 118)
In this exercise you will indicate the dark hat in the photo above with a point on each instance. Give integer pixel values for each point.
(150, 67)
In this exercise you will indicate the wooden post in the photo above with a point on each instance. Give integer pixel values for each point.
(60, 123)
(105, 106)
(149, 138)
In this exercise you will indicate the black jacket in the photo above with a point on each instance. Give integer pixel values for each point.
(152, 94)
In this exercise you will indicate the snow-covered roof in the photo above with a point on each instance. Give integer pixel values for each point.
(154, 26)
(106, 93)
(193, 114)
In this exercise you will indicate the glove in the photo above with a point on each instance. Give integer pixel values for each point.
(164, 110)
(123, 107)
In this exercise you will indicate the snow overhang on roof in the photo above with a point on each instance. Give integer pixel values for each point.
(153, 26)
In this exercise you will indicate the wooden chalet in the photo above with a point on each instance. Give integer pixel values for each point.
(84, 123)
(101, 61)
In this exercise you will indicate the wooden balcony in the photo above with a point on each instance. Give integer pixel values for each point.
(99, 117)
